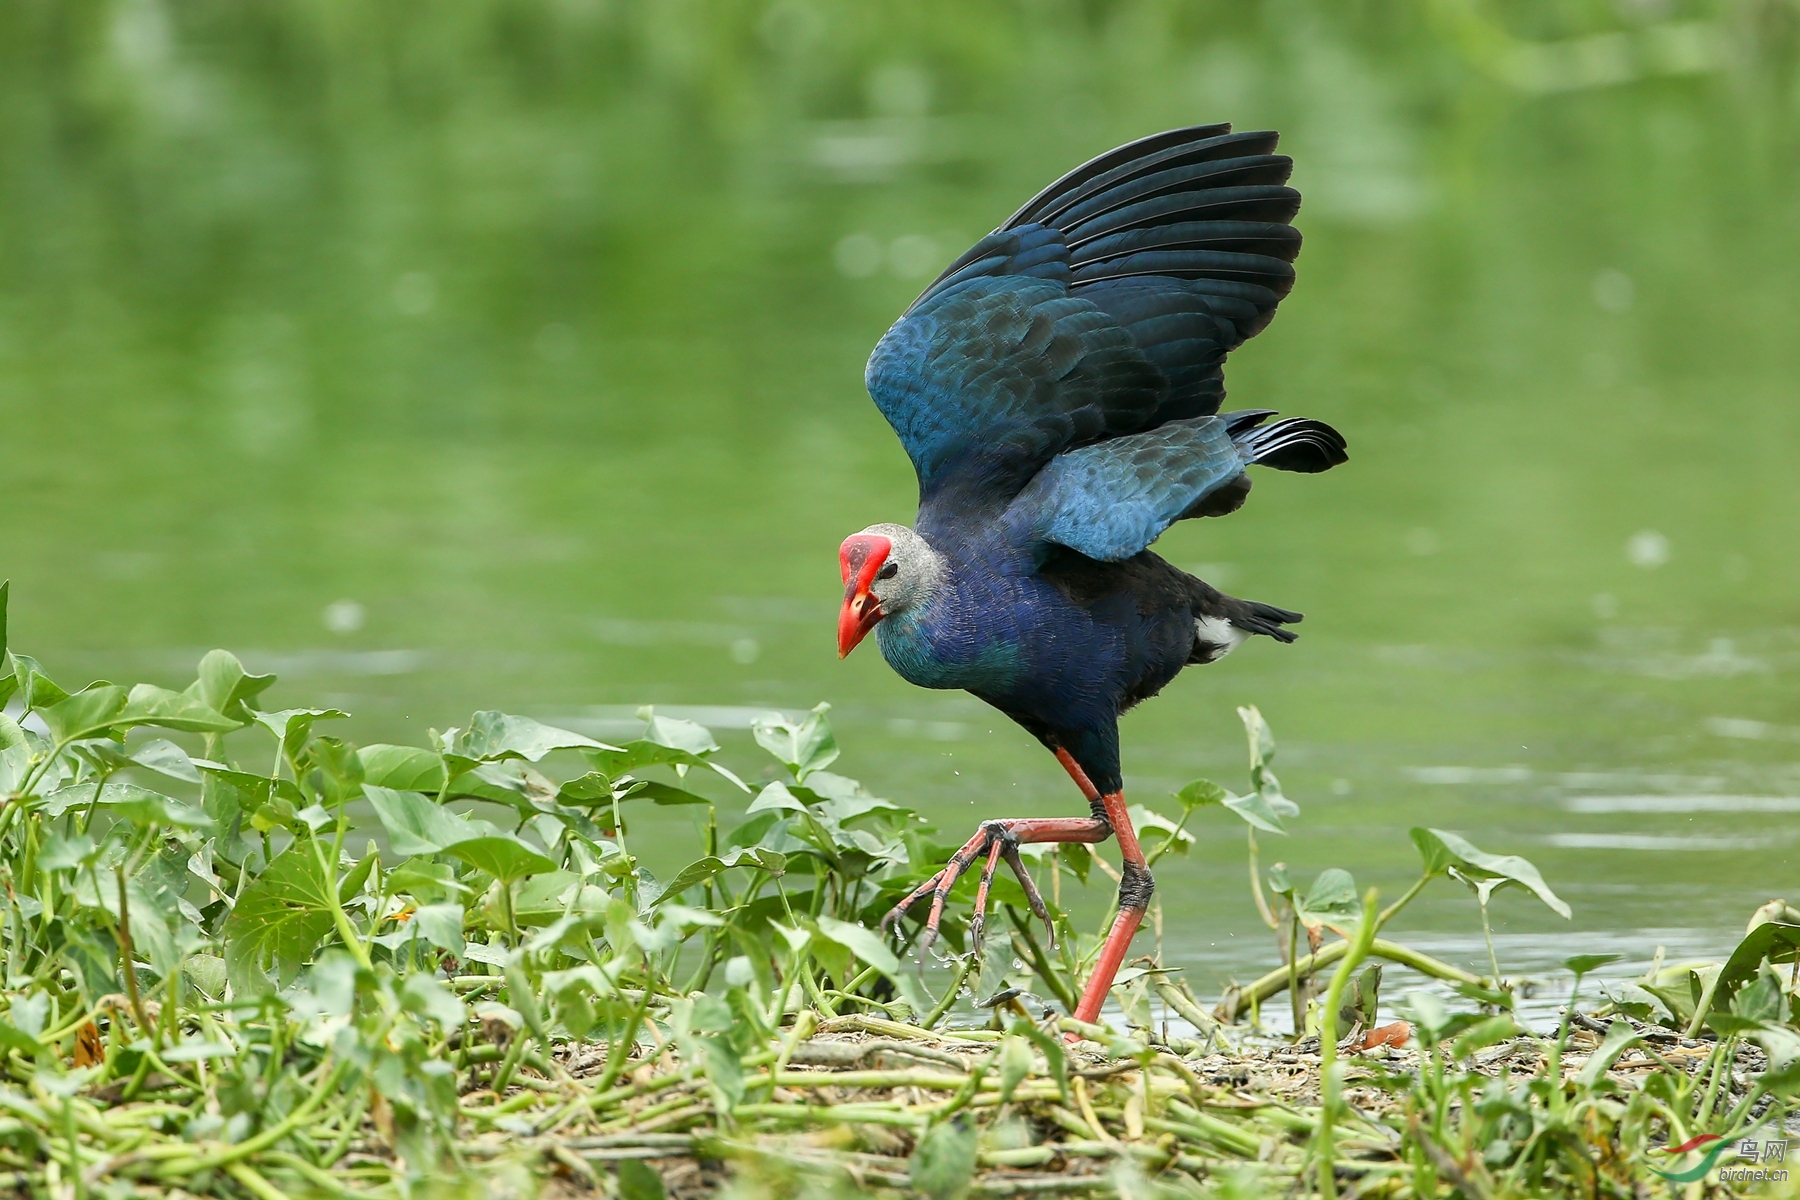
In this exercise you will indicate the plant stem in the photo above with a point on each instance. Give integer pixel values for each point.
(1487, 932)
(1276, 981)
(1330, 1082)
(1262, 905)
(950, 993)
(128, 956)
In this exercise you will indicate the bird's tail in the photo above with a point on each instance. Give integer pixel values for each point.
(1254, 617)
(1296, 444)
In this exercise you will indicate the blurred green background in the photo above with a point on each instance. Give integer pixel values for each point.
(508, 354)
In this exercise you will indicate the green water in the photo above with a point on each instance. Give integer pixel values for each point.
(509, 355)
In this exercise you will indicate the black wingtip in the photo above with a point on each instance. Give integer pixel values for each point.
(1298, 444)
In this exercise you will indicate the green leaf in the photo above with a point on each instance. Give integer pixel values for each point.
(247, 792)
(638, 1180)
(1199, 794)
(1484, 1034)
(350, 883)
(14, 1038)
(15, 755)
(664, 794)
(35, 688)
(166, 758)
(501, 855)
(91, 712)
(1262, 753)
(1363, 1004)
(1583, 964)
(1015, 1063)
(674, 733)
(1428, 1013)
(1051, 1046)
(425, 880)
(803, 748)
(1255, 811)
(591, 788)
(1771, 941)
(403, 768)
(426, 996)
(143, 807)
(1332, 897)
(705, 869)
(278, 921)
(1619, 1038)
(1441, 850)
(150, 705)
(494, 736)
(61, 854)
(776, 798)
(1153, 828)
(417, 824)
(206, 972)
(867, 945)
(291, 726)
(1764, 998)
(225, 687)
(943, 1165)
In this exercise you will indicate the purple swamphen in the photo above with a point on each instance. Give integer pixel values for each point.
(1058, 389)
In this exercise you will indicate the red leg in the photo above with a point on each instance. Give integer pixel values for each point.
(1000, 840)
(1134, 898)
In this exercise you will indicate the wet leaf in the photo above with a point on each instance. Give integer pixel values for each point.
(166, 758)
(868, 945)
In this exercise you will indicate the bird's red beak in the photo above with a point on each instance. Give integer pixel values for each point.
(859, 558)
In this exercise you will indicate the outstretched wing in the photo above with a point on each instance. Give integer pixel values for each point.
(1104, 307)
(1111, 500)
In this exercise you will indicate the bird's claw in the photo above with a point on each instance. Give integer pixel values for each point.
(997, 842)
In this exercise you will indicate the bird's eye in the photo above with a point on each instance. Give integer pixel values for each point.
(888, 571)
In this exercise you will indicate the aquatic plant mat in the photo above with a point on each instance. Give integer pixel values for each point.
(246, 958)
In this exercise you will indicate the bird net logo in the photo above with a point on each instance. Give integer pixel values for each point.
(1757, 1161)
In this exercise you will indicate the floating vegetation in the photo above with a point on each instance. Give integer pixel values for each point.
(218, 982)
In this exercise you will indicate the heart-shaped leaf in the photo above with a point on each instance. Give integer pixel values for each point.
(803, 748)
(1441, 850)
(417, 824)
(493, 736)
(505, 857)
